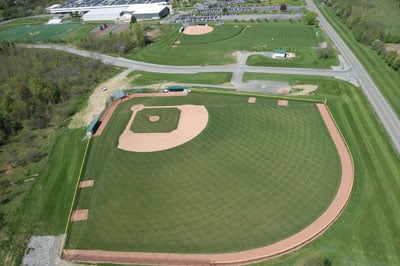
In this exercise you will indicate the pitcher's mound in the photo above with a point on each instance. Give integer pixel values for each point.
(154, 118)
(198, 30)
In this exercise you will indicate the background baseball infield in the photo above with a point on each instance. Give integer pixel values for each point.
(257, 174)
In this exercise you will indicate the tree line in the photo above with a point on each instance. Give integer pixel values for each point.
(10, 9)
(367, 32)
(38, 86)
(121, 43)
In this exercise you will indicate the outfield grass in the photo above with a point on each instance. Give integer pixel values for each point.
(38, 32)
(367, 232)
(256, 175)
(142, 78)
(218, 47)
(169, 118)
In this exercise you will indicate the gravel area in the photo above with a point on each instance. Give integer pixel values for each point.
(42, 251)
(264, 86)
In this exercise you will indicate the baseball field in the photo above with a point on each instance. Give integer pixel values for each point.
(257, 174)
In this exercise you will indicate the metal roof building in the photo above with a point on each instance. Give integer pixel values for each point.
(106, 10)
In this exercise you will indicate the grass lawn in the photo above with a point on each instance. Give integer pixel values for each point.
(22, 21)
(38, 32)
(304, 58)
(381, 12)
(218, 46)
(46, 208)
(257, 174)
(82, 32)
(169, 118)
(142, 78)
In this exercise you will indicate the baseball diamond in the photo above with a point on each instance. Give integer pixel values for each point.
(258, 175)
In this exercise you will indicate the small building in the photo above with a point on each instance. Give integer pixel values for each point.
(279, 53)
(148, 11)
(93, 126)
(177, 88)
(119, 94)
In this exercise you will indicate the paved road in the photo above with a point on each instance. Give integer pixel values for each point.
(240, 67)
(382, 108)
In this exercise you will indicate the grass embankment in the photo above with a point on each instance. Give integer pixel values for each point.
(142, 78)
(45, 210)
(250, 179)
(384, 77)
(217, 47)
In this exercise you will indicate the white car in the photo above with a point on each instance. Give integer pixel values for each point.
(103, 89)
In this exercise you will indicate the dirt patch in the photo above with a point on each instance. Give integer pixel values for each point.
(306, 89)
(79, 215)
(283, 102)
(154, 118)
(294, 242)
(252, 100)
(87, 183)
(192, 121)
(393, 47)
(198, 30)
(154, 34)
(97, 101)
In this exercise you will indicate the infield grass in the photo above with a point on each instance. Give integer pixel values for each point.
(169, 118)
(256, 175)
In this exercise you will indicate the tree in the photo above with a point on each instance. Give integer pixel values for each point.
(133, 20)
(283, 8)
(310, 18)
(325, 52)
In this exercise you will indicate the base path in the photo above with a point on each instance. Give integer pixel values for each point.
(193, 120)
(110, 110)
(285, 246)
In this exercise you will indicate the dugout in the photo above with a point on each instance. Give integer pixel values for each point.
(177, 88)
(119, 94)
(93, 126)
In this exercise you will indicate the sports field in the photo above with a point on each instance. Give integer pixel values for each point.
(218, 46)
(257, 174)
(38, 32)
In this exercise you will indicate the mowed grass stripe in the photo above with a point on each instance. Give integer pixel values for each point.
(248, 180)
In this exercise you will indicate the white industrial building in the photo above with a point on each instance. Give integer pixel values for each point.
(117, 10)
